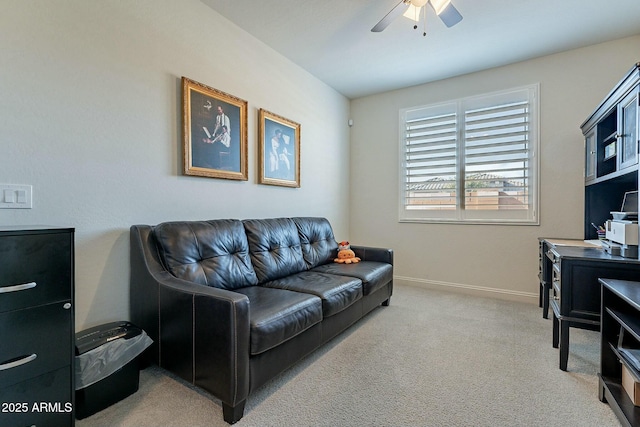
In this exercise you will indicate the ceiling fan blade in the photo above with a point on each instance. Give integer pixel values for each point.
(450, 15)
(391, 16)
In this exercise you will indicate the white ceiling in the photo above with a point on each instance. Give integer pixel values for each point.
(332, 39)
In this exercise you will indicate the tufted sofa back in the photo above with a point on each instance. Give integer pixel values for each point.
(274, 246)
(232, 254)
(213, 253)
(316, 239)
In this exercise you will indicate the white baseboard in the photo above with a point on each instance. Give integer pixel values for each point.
(507, 294)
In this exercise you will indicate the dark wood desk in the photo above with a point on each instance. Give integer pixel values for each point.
(575, 298)
(546, 263)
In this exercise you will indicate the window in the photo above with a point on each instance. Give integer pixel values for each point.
(472, 160)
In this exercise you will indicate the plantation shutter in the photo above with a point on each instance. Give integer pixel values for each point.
(431, 160)
(496, 159)
(471, 160)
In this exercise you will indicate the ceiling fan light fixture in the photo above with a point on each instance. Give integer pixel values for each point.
(419, 3)
(412, 13)
(439, 5)
(445, 10)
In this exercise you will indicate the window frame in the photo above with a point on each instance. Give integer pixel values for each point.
(459, 215)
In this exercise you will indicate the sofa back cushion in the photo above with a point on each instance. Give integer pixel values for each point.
(213, 253)
(319, 246)
(274, 246)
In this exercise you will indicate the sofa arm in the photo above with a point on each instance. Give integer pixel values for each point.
(200, 333)
(204, 337)
(366, 253)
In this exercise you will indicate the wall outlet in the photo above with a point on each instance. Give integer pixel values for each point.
(15, 196)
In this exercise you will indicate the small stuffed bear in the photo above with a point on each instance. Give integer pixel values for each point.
(345, 254)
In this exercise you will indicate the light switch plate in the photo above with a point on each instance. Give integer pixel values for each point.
(14, 196)
(8, 196)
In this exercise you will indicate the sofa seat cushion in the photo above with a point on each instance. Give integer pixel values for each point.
(336, 292)
(374, 275)
(277, 315)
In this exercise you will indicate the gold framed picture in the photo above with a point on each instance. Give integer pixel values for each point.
(215, 141)
(279, 150)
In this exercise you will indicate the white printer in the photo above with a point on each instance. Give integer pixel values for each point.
(622, 230)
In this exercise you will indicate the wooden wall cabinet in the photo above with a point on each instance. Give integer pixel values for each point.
(611, 151)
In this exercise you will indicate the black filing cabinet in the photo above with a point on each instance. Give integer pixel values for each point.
(36, 326)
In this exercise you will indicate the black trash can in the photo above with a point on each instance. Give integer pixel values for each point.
(107, 367)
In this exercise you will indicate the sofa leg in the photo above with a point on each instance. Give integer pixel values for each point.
(386, 302)
(232, 414)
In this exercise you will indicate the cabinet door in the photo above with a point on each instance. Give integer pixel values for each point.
(628, 128)
(590, 159)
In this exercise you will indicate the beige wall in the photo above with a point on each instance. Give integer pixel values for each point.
(90, 101)
(486, 259)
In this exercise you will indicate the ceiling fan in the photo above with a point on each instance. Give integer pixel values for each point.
(443, 8)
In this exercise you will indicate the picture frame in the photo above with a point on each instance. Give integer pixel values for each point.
(279, 150)
(215, 142)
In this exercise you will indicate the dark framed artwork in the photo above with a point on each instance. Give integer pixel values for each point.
(215, 132)
(279, 148)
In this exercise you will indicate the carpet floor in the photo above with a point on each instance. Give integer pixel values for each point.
(432, 358)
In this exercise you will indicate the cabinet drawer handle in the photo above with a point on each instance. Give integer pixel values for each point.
(18, 362)
(15, 288)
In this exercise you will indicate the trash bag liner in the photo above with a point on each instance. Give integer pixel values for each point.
(100, 362)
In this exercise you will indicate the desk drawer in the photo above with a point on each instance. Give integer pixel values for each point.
(555, 293)
(36, 269)
(51, 395)
(556, 277)
(34, 341)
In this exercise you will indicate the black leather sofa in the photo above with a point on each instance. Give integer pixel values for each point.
(230, 304)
